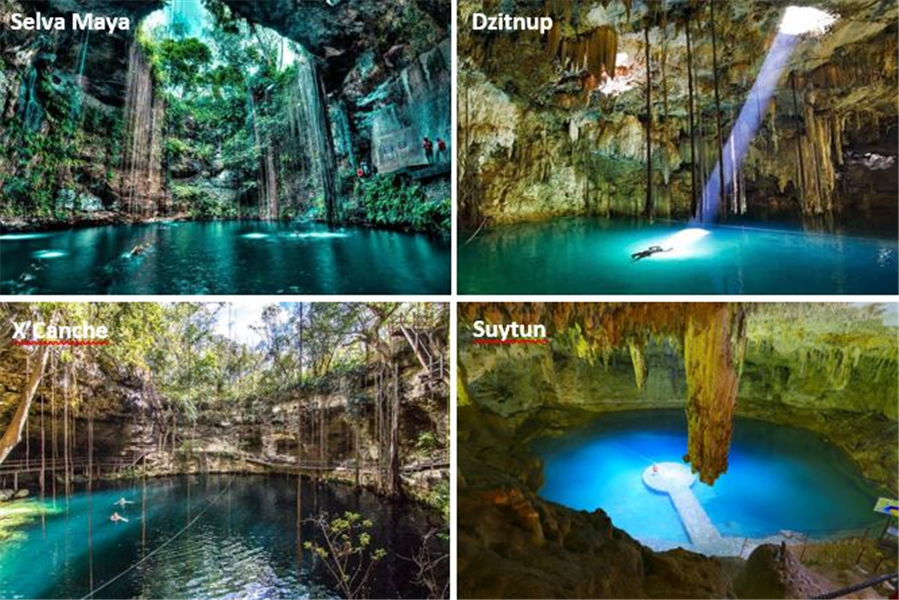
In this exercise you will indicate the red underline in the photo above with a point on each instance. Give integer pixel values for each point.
(513, 341)
(60, 342)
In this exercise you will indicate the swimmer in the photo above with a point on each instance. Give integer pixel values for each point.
(116, 517)
(139, 249)
(122, 502)
(649, 252)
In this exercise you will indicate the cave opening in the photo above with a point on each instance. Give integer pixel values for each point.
(265, 135)
(247, 431)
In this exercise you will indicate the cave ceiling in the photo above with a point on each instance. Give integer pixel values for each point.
(338, 35)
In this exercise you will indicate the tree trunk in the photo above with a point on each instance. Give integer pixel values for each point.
(356, 449)
(13, 434)
(395, 488)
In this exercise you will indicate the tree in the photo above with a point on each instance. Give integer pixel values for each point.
(182, 61)
(346, 551)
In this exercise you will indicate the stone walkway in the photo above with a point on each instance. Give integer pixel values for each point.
(676, 479)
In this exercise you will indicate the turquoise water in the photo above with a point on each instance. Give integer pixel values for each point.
(593, 256)
(779, 478)
(223, 257)
(243, 546)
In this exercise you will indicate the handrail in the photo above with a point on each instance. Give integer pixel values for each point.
(857, 587)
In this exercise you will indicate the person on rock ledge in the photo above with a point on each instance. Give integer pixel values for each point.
(428, 147)
(441, 150)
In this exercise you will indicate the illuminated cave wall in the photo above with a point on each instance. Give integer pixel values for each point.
(538, 140)
(792, 363)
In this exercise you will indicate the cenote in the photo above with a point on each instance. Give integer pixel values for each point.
(221, 257)
(242, 544)
(592, 255)
(205, 146)
(779, 479)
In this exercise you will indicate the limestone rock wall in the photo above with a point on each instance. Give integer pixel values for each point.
(566, 147)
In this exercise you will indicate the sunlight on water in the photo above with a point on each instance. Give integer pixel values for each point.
(49, 254)
(775, 480)
(593, 256)
(681, 245)
(226, 257)
(14, 237)
(318, 235)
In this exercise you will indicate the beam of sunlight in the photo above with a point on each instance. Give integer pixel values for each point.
(799, 20)
(796, 22)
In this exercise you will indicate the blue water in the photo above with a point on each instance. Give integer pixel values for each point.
(779, 478)
(223, 257)
(243, 546)
(593, 256)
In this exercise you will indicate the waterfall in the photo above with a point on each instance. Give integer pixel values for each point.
(141, 182)
(312, 115)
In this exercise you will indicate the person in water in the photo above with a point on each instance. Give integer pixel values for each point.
(122, 502)
(649, 252)
(116, 518)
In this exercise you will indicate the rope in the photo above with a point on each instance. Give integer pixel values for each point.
(163, 545)
(855, 588)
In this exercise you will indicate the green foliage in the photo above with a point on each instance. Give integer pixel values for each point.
(346, 550)
(390, 201)
(175, 148)
(182, 61)
(200, 204)
(426, 441)
(40, 155)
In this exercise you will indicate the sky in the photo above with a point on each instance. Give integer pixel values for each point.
(243, 315)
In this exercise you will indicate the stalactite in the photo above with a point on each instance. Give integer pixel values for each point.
(638, 360)
(799, 132)
(593, 52)
(712, 343)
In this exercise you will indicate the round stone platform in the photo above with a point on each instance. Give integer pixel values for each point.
(668, 477)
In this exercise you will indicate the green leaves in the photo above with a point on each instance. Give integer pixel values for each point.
(390, 201)
(346, 549)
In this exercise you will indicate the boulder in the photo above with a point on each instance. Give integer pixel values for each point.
(774, 572)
